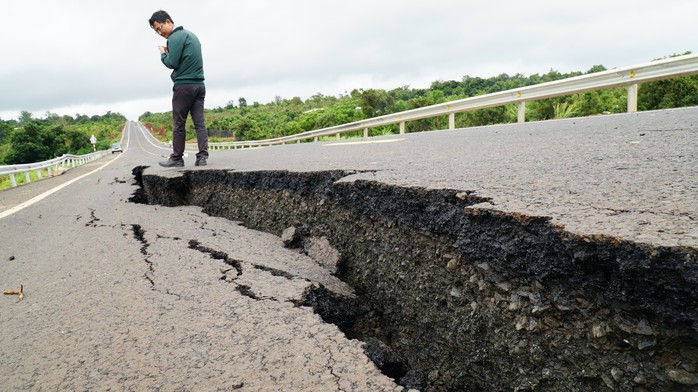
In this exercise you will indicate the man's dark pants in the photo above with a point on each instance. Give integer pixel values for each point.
(188, 98)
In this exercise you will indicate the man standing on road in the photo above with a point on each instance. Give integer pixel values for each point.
(183, 55)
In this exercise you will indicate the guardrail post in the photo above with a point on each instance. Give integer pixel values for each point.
(50, 173)
(12, 180)
(27, 177)
(522, 112)
(402, 128)
(38, 174)
(366, 133)
(337, 136)
(632, 98)
(451, 121)
(315, 139)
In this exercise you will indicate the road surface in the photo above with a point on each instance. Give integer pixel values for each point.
(116, 297)
(125, 296)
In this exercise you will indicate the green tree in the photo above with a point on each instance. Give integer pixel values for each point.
(564, 109)
(596, 68)
(487, 116)
(373, 102)
(5, 130)
(76, 140)
(25, 117)
(666, 94)
(34, 143)
(247, 129)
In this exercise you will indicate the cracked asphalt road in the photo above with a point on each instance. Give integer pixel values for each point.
(632, 176)
(106, 308)
(117, 298)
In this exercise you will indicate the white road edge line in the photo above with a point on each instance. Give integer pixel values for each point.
(142, 129)
(362, 142)
(48, 193)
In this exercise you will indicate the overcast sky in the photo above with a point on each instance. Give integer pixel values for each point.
(90, 57)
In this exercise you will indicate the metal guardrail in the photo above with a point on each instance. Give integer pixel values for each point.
(627, 76)
(66, 160)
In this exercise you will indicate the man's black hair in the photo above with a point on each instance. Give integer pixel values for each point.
(160, 17)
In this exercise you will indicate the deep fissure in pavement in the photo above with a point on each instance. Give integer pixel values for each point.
(274, 271)
(218, 255)
(139, 234)
(470, 298)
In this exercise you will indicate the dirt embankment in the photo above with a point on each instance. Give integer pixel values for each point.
(160, 133)
(457, 297)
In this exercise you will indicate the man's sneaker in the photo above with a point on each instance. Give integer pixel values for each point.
(200, 162)
(173, 163)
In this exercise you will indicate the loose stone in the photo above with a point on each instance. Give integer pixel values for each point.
(598, 331)
(683, 377)
(452, 265)
(290, 237)
(647, 342)
(532, 324)
(617, 374)
(505, 286)
(521, 324)
(609, 383)
(644, 328)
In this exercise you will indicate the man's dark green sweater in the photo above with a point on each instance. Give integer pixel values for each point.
(184, 57)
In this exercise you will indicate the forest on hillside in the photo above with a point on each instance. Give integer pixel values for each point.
(240, 120)
(29, 139)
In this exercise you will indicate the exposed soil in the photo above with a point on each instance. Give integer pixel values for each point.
(160, 132)
(457, 297)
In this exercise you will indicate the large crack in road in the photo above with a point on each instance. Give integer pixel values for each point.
(468, 297)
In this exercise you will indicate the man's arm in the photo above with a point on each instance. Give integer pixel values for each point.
(172, 55)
